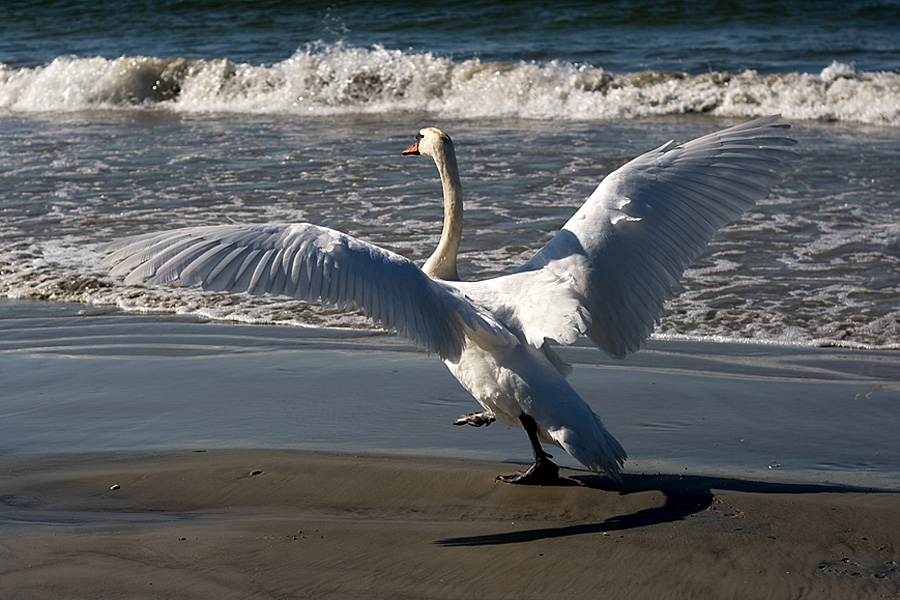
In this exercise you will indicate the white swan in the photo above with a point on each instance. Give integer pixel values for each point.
(606, 275)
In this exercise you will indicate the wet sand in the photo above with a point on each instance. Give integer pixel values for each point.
(163, 457)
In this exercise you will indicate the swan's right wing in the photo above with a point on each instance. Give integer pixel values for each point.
(310, 263)
(620, 255)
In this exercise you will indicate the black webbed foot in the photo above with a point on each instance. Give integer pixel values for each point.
(542, 472)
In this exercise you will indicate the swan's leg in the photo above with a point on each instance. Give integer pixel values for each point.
(475, 419)
(543, 471)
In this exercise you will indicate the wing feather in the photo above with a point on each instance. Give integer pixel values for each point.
(222, 275)
(309, 263)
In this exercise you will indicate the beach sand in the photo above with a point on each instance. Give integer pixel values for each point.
(152, 456)
(268, 524)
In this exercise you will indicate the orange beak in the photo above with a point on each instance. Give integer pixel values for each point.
(414, 149)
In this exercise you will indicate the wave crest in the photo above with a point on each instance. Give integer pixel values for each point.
(335, 79)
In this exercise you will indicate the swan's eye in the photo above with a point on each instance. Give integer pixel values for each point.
(419, 137)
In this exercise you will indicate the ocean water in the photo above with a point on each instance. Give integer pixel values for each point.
(119, 118)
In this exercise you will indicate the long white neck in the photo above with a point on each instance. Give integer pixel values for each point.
(442, 264)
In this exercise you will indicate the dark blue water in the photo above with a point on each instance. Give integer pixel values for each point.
(619, 36)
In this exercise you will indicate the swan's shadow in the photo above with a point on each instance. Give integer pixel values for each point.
(685, 496)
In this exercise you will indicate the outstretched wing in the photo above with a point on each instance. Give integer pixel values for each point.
(624, 249)
(310, 263)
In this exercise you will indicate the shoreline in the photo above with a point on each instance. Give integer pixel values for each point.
(86, 379)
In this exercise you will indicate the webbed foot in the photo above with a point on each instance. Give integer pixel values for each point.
(475, 419)
(542, 472)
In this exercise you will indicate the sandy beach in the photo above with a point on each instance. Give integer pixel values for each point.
(152, 456)
(223, 524)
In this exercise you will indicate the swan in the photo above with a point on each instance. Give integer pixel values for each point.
(606, 274)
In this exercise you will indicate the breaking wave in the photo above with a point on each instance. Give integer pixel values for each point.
(328, 79)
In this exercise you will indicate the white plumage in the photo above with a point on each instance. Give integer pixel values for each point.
(606, 274)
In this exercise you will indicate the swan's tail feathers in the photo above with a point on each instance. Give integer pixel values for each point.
(601, 452)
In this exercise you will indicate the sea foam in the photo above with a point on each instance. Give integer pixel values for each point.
(335, 79)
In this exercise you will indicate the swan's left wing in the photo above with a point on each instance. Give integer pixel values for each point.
(622, 252)
(310, 263)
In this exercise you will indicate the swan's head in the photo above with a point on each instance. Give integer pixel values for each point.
(430, 142)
